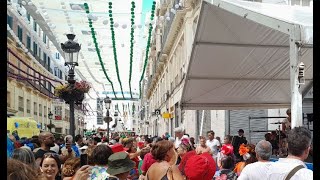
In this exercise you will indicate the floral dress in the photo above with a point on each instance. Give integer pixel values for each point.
(99, 173)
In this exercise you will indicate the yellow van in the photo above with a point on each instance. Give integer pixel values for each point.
(25, 126)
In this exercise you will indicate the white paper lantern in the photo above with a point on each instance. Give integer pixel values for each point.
(176, 6)
(116, 25)
(168, 18)
(30, 3)
(105, 22)
(23, 3)
(45, 13)
(26, 50)
(63, 7)
(124, 26)
(76, 7)
(139, 26)
(37, 11)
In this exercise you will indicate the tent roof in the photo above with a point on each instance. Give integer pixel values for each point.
(241, 55)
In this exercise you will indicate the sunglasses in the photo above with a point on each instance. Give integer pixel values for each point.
(112, 178)
(47, 155)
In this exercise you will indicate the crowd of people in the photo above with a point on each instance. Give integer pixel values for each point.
(155, 158)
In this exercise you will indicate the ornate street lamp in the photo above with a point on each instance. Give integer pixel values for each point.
(107, 119)
(71, 51)
(50, 118)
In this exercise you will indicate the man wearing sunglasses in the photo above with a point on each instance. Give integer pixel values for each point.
(47, 141)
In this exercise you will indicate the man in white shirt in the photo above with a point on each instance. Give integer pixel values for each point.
(179, 132)
(213, 143)
(299, 141)
(258, 170)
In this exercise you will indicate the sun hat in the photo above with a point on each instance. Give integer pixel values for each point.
(200, 167)
(118, 148)
(119, 163)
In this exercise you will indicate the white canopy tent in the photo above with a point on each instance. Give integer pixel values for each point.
(245, 55)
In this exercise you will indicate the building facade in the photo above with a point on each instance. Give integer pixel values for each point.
(165, 75)
(33, 70)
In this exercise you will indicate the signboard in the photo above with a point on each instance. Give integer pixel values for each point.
(166, 115)
(157, 112)
(57, 117)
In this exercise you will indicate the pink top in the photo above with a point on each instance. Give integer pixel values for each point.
(147, 162)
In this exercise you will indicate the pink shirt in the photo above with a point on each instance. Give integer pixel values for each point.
(147, 162)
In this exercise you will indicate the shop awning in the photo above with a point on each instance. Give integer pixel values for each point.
(241, 55)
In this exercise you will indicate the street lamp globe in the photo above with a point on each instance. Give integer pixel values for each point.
(71, 50)
(107, 102)
(50, 115)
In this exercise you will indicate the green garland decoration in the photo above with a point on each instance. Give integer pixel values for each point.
(131, 43)
(97, 49)
(148, 46)
(114, 46)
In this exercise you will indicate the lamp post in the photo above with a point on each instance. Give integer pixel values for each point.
(71, 51)
(50, 118)
(107, 102)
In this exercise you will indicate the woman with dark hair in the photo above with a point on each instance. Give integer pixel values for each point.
(248, 154)
(26, 156)
(100, 157)
(225, 172)
(19, 170)
(163, 151)
(50, 166)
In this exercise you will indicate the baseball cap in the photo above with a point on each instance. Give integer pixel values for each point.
(200, 167)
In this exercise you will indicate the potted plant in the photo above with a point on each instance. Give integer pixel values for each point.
(76, 93)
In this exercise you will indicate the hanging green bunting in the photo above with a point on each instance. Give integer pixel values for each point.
(131, 43)
(97, 48)
(148, 46)
(114, 46)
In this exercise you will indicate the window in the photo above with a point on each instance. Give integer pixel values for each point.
(20, 103)
(49, 62)
(35, 26)
(40, 110)
(40, 53)
(28, 42)
(45, 57)
(35, 48)
(28, 106)
(9, 21)
(57, 56)
(45, 111)
(20, 33)
(35, 108)
(8, 99)
(28, 16)
(58, 130)
(44, 38)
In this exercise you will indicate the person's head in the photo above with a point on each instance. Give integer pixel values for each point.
(70, 167)
(263, 150)
(119, 164)
(179, 132)
(268, 136)
(50, 165)
(89, 152)
(299, 142)
(210, 135)
(163, 150)
(288, 112)
(46, 139)
(144, 152)
(227, 149)
(241, 132)
(96, 140)
(227, 139)
(26, 156)
(19, 170)
(202, 141)
(192, 140)
(218, 138)
(128, 143)
(101, 154)
(78, 139)
(68, 139)
(184, 147)
(227, 162)
(248, 153)
(200, 167)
